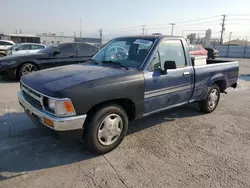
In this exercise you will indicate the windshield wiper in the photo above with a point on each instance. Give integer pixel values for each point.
(94, 61)
(115, 63)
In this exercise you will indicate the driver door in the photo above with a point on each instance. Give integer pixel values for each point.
(163, 91)
(66, 56)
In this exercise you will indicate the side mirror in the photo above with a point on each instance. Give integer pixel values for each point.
(16, 49)
(159, 71)
(169, 65)
(56, 52)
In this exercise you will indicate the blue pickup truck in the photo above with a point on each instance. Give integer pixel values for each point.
(129, 78)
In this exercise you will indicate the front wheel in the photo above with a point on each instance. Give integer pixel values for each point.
(26, 69)
(106, 129)
(210, 103)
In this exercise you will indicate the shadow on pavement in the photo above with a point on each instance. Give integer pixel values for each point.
(5, 80)
(47, 150)
(165, 116)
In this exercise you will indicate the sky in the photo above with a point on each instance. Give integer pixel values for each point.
(124, 17)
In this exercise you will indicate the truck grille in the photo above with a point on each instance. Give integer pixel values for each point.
(32, 96)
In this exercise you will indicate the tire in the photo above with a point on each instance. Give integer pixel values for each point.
(105, 129)
(213, 57)
(29, 67)
(2, 55)
(210, 103)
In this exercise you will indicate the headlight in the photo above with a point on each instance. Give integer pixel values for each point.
(62, 107)
(52, 104)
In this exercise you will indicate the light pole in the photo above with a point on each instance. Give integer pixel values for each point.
(143, 29)
(173, 24)
(81, 28)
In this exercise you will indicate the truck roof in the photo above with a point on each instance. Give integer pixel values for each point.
(151, 36)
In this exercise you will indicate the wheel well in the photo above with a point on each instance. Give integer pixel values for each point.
(18, 68)
(127, 104)
(222, 85)
(3, 54)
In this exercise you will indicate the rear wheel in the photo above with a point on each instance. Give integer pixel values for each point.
(106, 129)
(26, 69)
(210, 103)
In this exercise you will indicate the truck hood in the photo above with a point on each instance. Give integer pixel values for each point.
(52, 80)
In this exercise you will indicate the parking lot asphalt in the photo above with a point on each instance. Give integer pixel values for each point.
(177, 148)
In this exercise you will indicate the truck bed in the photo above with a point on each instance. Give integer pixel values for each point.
(224, 73)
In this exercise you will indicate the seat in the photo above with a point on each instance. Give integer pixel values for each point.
(142, 53)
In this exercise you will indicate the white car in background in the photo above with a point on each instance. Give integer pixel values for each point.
(4, 45)
(24, 48)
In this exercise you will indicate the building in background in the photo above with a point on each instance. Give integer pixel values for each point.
(237, 42)
(49, 38)
(52, 38)
(20, 38)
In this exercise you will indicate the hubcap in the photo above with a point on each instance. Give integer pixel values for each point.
(28, 69)
(213, 98)
(110, 129)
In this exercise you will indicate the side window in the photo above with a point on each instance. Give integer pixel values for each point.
(24, 47)
(156, 63)
(67, 49)
(86, 50)
(172, 50)
(36, 47)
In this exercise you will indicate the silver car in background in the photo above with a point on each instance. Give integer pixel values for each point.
(24, 48)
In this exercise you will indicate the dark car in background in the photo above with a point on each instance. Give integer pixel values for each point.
(15, 66)
(212, 53)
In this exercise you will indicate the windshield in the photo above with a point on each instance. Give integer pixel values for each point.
(129, 52)
(48, 49)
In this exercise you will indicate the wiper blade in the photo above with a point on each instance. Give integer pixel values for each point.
(94, 61)
(115, 63)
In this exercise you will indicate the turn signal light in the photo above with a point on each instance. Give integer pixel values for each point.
(68, 106)
(48, 122)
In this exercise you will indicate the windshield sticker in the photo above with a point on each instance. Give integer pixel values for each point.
(143, 42)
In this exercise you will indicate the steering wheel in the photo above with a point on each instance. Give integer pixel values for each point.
(118, 52)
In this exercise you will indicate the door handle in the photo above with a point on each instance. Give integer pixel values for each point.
(186, 73)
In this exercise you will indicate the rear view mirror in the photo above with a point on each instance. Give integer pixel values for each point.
(56, 52)
(169, 65)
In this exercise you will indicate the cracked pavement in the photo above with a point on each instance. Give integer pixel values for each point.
(177, 148)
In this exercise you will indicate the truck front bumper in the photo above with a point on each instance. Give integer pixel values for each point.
(41, 117)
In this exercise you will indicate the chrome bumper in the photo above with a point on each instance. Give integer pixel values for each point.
(60, 123)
